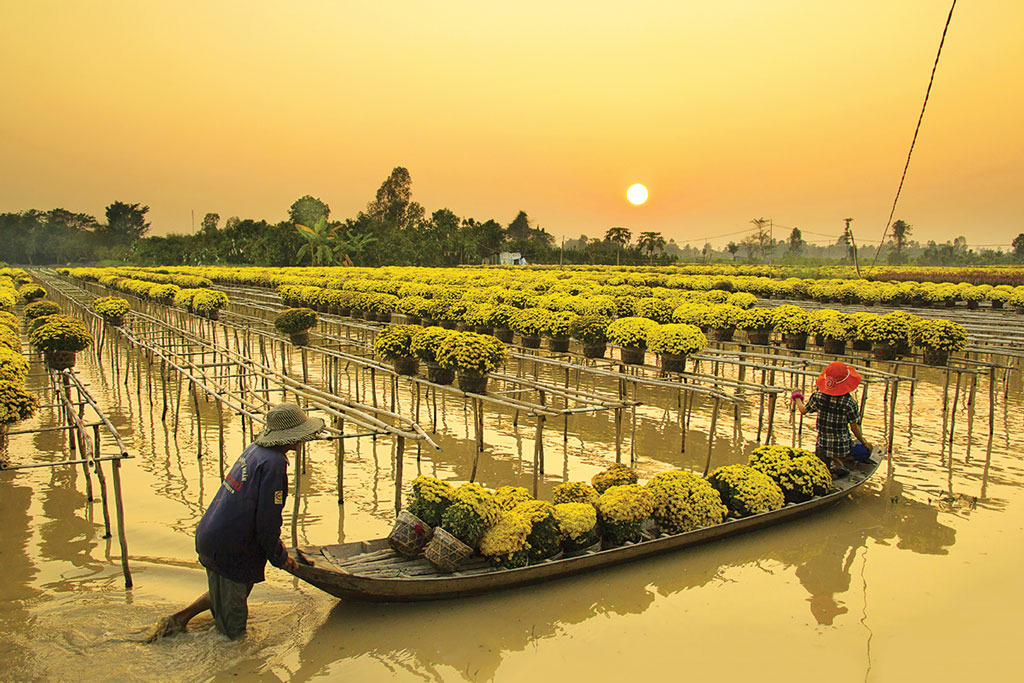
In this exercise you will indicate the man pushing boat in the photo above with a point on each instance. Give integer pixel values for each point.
(241, 530)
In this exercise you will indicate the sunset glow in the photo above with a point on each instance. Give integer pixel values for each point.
(801, 111)
(636, 194)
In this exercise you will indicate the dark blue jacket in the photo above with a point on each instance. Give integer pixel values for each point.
(241, 530)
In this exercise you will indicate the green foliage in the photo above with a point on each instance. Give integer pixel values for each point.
(430, 499)
(37, 309)
(677, 338)
(800, 475)
(590, 330)
(16, 404)
(31, 291)
(395, 341)
(295, 320)
(575, 492)
(471, 352)
(616, 475)
(684, 501)
(745, 490)
(545, 537)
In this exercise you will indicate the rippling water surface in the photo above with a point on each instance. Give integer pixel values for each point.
(914, 578)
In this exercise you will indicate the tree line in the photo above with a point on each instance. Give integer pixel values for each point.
(394, 229)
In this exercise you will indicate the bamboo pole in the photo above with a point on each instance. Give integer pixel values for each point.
(119, 512)
(711, 435)
(399, 464)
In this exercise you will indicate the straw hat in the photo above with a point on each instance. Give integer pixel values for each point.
(838, 379)
(287, 424)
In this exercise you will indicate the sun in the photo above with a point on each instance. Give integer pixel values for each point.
(636, 194)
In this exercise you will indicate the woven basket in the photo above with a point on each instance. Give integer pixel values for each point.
(300, 338)
(446, 552)
(632, 355)
(409, 534)
(558, 344)
(595, 351)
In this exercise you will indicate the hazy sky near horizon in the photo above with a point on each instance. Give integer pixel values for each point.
(801, 111)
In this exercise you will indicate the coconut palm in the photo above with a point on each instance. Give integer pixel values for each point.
(651, 242)
(619, 236)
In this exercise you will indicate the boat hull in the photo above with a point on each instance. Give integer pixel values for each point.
(318, 564)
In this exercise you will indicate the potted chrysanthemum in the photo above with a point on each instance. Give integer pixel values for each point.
(473, 356)
(937, 339)
(394, 343)
(60, 338)
(296, 323)
(630, 335)
(674, 342)
(424, 345)
(592, 332)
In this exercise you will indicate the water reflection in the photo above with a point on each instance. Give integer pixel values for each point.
(16, 589)
(471, 636)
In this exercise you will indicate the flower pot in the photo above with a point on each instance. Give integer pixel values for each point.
(795, 342)
(409, 534)
(115, 320)
(446, 552)
(384, 317)
(358, 314)
(559, 344)
(722, 334)
(300, 338)
(836, 347)
(343, 310)
(483, 329)
(504, 334)
(861, 345)
(903, 349)
(972, 305)
(32, 300)
(449, 324)
(530, 342)
(409, 365)
(938, 357)
(414, 319)
(214, 315)
(632, 355)
(429, 322)
(762, 337)
(673, 362)
(60, 359)
(868, 303)
(473, 382)
(997, 304)
(885, 351)
(950, 303)
(596, 351)
(819, 340)
(439, 375)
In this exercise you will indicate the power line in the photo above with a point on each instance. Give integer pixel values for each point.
(906, 166)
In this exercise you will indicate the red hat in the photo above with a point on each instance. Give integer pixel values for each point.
(838, 379)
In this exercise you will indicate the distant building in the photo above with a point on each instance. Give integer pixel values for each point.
(505, 258)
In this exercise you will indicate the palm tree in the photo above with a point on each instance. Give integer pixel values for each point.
(619, 236)
(651, 242)
(320, 242)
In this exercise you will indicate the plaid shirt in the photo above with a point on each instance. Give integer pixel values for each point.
(835, 413)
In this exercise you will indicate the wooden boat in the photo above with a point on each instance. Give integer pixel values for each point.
(371, 571)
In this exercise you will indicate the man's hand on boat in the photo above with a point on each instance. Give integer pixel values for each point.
(290, 564)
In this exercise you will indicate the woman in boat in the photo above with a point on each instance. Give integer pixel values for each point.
(838, 414)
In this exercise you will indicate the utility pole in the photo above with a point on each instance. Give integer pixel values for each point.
(771, 240)
(853, 245)
(193, 221)
(561, 252)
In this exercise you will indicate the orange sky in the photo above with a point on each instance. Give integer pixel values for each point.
(801, 111)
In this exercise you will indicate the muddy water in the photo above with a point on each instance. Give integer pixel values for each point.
(914, 578)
